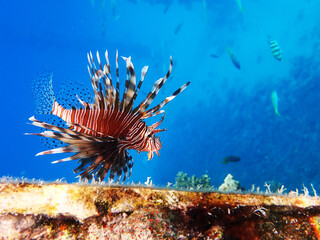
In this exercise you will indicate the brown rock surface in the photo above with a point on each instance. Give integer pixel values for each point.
(79, 211)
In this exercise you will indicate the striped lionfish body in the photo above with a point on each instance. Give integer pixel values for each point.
(101, 132)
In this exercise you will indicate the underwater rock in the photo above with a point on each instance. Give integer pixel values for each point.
(230, 185)
(100, 211)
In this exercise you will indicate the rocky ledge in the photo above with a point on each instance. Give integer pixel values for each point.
(83, 211)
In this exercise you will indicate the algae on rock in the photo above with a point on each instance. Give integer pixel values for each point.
(183, 181)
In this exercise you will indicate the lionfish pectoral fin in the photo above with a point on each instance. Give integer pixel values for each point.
(107, 157)
(64, 160)
(64, 149)
(93, 166)
(101, 174)
(33, 134)
(83, 162)
(73, 125)
(56, 132)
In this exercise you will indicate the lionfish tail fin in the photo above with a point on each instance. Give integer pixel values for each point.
(43, 93)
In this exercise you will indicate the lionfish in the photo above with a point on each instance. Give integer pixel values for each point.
(101, 132)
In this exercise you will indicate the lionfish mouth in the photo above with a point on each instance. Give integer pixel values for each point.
(101, 131)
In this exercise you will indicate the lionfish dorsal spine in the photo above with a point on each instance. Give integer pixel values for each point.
(109, 89)
(143, 74)
(130, 85)
(94, 79)
(142, 106)
(117, 100)
(99, 61)
(154, 91)
(154, 111)
(103, 97)
(103, 73)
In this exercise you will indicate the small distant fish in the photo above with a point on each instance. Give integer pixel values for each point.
(177, 29)
(239, 5)
(214, 56)
(275, 48)
(165, 10)
(229, 159)
(275, 99)
(114, 10)
(204, 9)
(234, 59)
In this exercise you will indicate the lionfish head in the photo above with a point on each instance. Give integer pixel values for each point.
(153, 143)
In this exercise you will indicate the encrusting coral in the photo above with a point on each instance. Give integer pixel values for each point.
(183, 181)
(230, 185)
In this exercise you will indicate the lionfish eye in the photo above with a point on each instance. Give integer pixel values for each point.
(149, 135)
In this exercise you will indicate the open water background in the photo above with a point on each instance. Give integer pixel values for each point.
(224, 111)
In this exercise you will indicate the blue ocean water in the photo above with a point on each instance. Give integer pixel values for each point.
(224, 111)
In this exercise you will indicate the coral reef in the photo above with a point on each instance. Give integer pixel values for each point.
(230, 185)
(183, 181)
(83, 211)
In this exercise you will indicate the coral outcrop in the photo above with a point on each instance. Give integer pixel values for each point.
(230, 185)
